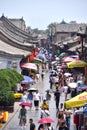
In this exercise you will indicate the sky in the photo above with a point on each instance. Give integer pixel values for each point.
(40, 13)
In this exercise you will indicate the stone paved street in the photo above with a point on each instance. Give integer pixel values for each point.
(13, 123)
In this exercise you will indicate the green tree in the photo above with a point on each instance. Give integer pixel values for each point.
(9, 78)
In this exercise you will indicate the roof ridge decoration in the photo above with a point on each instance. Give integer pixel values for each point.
(63, 22)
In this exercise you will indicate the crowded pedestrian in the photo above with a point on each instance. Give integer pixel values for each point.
(45, 104)
(51, 80)
(41, 127)
(32, 125)
(64, 126)
(37, 99)
(65, 91)
(48, 96)
(44, 112)
(22, 116)
(78, 90)
(37, 76)
(60, 110)
(49, 127)
(30, 98)
(60, 121)
(24, 97)
(57, 97)
(42, 74)
(68, 117)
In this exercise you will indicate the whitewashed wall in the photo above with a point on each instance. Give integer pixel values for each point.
(9, 62)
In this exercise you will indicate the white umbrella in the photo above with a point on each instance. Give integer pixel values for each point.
(32, 89)
(53, 62)
(72, 85)
(57, 58)
(67, 74)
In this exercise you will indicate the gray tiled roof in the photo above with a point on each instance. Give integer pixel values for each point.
(69, 27)
(12, 40)
(15, 32)
(12, 50)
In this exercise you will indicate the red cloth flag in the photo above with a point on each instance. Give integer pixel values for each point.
(33, 54)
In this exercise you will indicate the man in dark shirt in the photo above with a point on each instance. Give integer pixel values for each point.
(57, 97)
(32, 125)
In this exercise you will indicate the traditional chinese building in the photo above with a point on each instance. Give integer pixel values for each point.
(15, 43)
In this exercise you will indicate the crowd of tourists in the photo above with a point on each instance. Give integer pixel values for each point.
(59, 80)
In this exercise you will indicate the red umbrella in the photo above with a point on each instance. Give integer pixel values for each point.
(29, 66)
(45, 120)
(25, 104)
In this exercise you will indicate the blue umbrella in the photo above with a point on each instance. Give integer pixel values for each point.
(27, 80)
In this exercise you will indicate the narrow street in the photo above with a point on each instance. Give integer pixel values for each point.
(42, 86)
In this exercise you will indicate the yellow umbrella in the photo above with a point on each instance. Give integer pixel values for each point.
(76, 63)
(77, 101)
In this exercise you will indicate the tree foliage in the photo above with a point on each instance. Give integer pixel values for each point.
(9, 78)
(37, 31)
(52, 24)
(6, 98)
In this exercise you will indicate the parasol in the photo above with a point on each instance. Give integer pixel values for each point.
(27, 80)
(25, 104)
(45, 120)
(72, 85)
(76, 63)
(67, 74)
(77, 101)
(32, 89)
(31, 66)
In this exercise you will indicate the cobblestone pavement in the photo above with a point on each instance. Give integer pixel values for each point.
(13, 122)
